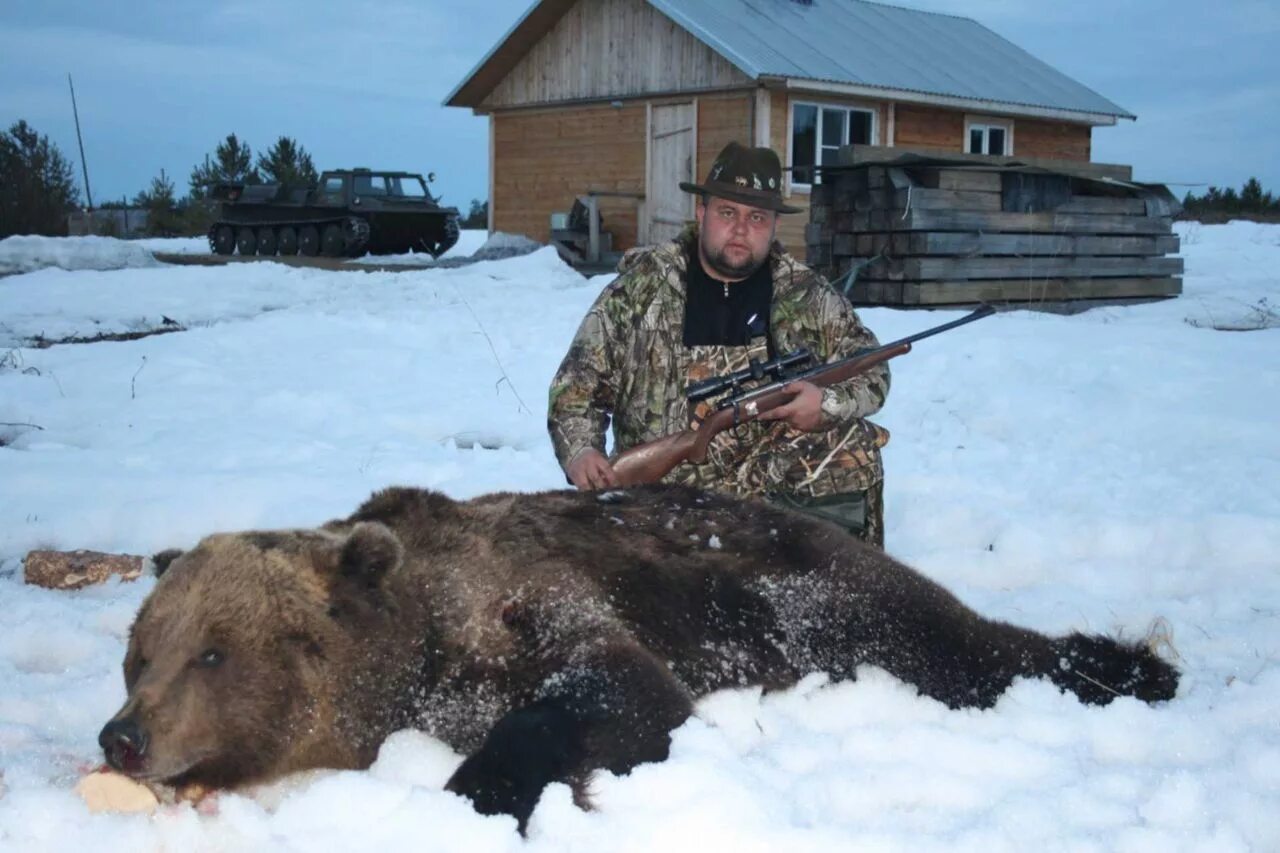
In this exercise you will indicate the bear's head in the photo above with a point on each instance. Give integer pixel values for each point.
(233, 657)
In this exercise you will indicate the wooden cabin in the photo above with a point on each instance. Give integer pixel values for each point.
(623, 99)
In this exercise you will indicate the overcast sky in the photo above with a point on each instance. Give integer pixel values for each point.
(160, 82)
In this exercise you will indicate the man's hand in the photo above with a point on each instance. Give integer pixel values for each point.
(591, 470)
(803, 411)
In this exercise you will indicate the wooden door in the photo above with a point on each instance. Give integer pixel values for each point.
(671, 160)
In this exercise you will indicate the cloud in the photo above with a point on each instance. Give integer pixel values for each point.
(360, 82)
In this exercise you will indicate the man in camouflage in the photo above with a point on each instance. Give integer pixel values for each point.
(724, 293)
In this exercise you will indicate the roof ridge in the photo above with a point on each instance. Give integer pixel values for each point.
(877, 44)
(913, 9)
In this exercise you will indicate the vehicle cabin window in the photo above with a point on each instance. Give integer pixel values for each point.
(407, 187)
(817, 133)
(332, 185)
(988, 139)
(370, 185)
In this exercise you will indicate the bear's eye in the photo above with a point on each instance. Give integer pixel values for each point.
(133, 669)
(210, 658)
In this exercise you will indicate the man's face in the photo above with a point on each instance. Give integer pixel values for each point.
(734, 239)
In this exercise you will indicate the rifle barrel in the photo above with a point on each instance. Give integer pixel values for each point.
(977, 314)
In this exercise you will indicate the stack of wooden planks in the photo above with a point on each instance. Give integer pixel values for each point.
(953, 230)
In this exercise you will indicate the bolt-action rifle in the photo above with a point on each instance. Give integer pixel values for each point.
(653, 460)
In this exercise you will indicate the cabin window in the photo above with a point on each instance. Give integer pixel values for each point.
(988, 139)
(817, 133)
(370, 185)
(408, 187)
(332, 185)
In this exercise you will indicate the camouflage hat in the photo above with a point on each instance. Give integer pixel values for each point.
(746, 175)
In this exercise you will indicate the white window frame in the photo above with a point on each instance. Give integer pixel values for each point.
(985, 123)
(803, 187)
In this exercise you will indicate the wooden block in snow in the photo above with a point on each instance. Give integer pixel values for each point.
(76, 569)
(108, 791)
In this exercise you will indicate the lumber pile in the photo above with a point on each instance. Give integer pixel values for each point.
(957, 229)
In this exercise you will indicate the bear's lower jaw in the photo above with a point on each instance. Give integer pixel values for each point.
(173, 773)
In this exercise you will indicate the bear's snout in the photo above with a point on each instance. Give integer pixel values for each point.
(124, 742)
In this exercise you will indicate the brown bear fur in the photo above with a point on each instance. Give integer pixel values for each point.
(543, 635)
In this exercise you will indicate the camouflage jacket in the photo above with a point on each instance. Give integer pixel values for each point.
(628, 362)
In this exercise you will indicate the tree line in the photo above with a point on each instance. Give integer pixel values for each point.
(38, 187)
(1219, 205)
(37, 184)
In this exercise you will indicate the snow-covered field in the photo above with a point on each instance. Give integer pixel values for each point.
(27, 254)
(1094, 472)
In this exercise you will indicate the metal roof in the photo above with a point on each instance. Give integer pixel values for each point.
(884, 47)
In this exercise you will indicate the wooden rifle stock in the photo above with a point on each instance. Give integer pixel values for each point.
(653, 460)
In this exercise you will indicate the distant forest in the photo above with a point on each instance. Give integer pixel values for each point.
(1221, 205)
(38, 186)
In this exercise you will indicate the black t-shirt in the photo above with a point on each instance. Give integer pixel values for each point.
(720, 314)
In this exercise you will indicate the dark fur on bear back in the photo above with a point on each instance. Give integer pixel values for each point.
(727, 592)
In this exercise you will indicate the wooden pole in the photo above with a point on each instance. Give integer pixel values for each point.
(87, 194)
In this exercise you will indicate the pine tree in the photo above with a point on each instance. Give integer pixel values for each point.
(37, 184)
(1192, 205)
(1252, 199)
(287, 162)
(478, 216)
(160, 202)
(232, 162)
(1219, 204)
(1229, 201)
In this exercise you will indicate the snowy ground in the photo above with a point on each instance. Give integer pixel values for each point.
(1089, 472)
(28, 254)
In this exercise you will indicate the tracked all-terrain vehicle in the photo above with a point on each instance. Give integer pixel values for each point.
(349, 212)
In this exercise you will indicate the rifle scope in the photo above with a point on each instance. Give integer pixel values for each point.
(755, 370)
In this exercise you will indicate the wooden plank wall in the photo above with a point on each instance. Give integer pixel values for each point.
(721, 120)
(1057, 140)
(936, 129)
(544, 159)
(790, 225)
(612, 48)
(932, 128)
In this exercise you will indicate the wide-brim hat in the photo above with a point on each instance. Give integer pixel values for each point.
(746, 175)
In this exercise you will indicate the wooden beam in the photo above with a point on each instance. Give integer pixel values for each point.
(763, 116)
(859, 155)
(1040, 290)
(493, 143)
(1102, 204)
(950, 269)
(958, 243)
(960, 179)
(1030, 223)
(921, 198)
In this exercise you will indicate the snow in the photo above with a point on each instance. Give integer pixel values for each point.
(25, 253)
(1112, 471)
(469, 241)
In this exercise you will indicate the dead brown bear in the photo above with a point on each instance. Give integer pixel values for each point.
(543, 635)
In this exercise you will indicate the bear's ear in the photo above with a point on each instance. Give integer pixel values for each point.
(160, 561)
(371, 550)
